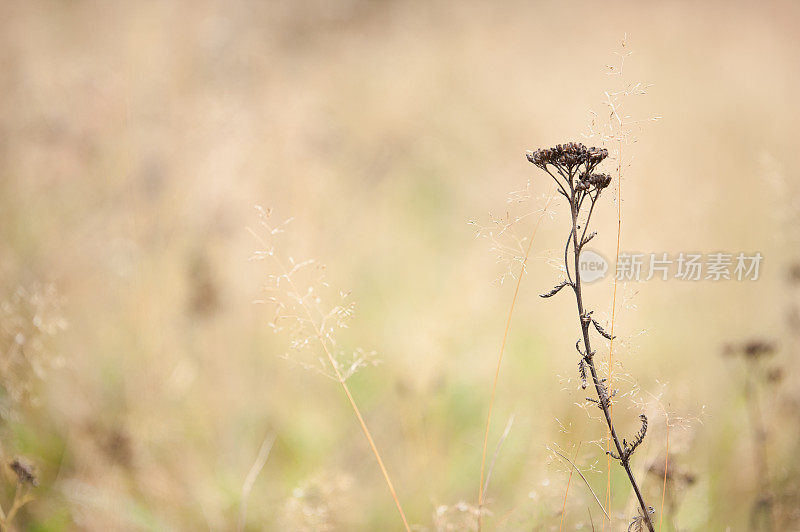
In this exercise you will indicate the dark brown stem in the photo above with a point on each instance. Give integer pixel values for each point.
(602, 395)
(575, 164)
(766, 499)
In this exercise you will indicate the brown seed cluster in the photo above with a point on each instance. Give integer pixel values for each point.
(794, 273)
(758, 348)
(673, 473)
(752, 349)
(598, 181)
(567, 155)
(24, 471)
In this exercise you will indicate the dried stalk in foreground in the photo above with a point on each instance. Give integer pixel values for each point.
(25, 481)
(572, 167)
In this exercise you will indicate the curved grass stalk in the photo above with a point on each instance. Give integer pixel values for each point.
(566, 492)
(572, 464)
(481, 489)
(353, 404)
(664, 488)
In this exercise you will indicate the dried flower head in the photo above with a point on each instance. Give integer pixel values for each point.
(26, 474)
(599, 181)
(674, 474)
(754, 349)
(572, 166)
(775, 375)
(758, 348)
(794, 273)
(567, 156)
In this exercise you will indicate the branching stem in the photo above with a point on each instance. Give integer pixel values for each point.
(575, 166)
(602, 394)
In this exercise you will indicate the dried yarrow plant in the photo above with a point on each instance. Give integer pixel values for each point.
(760, 373)
(295, 291)
(572, 167)
(25, 478)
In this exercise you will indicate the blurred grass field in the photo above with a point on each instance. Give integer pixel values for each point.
(136, 138)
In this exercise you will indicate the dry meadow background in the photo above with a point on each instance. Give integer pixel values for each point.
(140, 379)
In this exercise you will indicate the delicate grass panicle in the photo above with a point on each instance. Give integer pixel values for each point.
(30, 318)
(573, 167)
(295, 291)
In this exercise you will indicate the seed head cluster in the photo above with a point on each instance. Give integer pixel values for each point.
(589, 180)
(753, 349)
(24, 471)
(567, 156)
(575, 164)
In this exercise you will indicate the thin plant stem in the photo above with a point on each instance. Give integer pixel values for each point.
(566, 491)
(502, 351)
(613, 322)
(21, 498)
(664, 488)
(252, 475)
(602, 394)
(497, 453)
(572, 464)
(760, 449)
(353, 404)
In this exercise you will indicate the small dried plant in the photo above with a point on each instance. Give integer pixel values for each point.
(457, 517)
(676, 480)
(25, 479)
(573, 166)
(312, 506)
(759, 373)
(30, 318)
